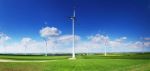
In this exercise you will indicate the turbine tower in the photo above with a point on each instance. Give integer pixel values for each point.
(73, 35)
(105, 47)
(45, 40)
(25, 49)
(105, 43)
(45, 46)
(142, 40)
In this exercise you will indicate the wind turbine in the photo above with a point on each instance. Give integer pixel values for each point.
(5, 49)
(87, 50)
(45, 40)
(45, 46)
(25, 49)
(105, 43)
(142, 40)
(73, 34)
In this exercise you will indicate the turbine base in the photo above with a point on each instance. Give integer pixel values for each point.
(72, 58)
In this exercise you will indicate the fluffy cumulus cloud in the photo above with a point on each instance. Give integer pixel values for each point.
(99, 38)
(62, 43)
(147, 38)
(105, 40)
(68, 38)
(3, 38)
(25, 44)
(49, 31)
(26, 40)
(147, 44)
(118, 44)
(54, 44)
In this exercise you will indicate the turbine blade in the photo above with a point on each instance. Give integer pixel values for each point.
(74, 13)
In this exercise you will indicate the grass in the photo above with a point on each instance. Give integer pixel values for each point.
(131, 62)
(34, 57)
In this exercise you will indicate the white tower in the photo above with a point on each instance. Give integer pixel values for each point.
(73, 35)
(45, 40)
(142, 41)
(105, 43)
(45, 47)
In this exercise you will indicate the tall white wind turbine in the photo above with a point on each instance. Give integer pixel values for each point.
(105, 40)
(105, 43)
(73, 35)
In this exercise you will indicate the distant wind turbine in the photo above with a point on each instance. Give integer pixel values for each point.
(45, 40)
(25, 48)
(87, 50)
(142, 40)
(45, 46)
(5, 49)
(105, 43)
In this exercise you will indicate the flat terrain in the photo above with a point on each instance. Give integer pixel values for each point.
(112, 62)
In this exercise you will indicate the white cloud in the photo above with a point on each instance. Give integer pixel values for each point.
(26, 40)
(121, 39)
(147, 44)
(147, 38)
(99, 38)
(68, 38)
(3, 38)
(62, 43)
(88, 46)
(32, 46)
(119, 42)
(136, 44)
(49, 31)
(116, 45)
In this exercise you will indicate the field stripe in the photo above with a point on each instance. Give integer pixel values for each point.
(4, 60)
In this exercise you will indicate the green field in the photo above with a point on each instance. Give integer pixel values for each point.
(112, 62)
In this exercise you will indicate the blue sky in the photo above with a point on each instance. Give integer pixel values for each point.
(116, 18)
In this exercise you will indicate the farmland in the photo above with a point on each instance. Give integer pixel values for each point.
(112, 62)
